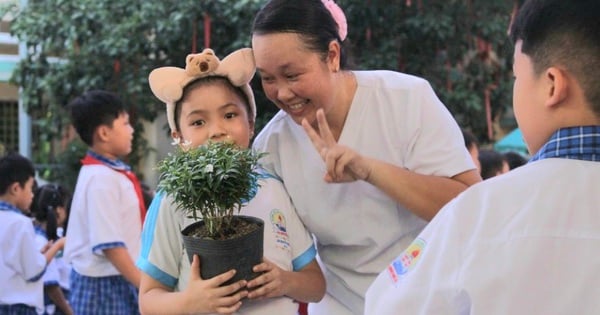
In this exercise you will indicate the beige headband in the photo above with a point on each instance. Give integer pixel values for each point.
(167, 83)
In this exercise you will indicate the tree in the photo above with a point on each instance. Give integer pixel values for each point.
(460, 46)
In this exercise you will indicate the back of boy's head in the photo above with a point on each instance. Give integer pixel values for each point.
(15, 168)
(565, 34)
(92, 110)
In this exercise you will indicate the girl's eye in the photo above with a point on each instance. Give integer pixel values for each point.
(291, 76)
(230, 115)
(198, 122)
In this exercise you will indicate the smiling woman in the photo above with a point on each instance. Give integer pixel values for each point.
(393, 150)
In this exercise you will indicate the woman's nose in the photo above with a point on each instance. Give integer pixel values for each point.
(284, 93)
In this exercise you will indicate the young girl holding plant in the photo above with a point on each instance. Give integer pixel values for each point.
(218, 105)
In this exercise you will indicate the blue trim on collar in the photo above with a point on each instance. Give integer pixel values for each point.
(116, 164)
(577, 143)
(5, 206)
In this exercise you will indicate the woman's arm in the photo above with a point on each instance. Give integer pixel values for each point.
(424, 195)
(305, 285)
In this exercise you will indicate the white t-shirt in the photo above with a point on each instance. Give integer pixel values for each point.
(105, 213)
(21, 263)
(525, 242)
(286, 243)
(395, 118)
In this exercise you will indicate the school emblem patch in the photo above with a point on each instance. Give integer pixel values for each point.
(280, 229)
(407, 260)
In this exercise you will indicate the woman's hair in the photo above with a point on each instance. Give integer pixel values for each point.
(205, 81)
(308, 18)
(45, 201)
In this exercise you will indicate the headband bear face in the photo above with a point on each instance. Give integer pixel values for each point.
(167, 83)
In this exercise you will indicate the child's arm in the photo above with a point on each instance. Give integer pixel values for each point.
(119, 257)
(305, 285)
(55, 294)
(51, 249)
(199, 297)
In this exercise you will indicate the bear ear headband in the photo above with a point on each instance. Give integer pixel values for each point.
(167, 83)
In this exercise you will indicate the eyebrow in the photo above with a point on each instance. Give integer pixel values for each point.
(280, 68)
(202, 111)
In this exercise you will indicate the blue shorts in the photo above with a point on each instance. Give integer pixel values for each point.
(17, 309)
(112, 295)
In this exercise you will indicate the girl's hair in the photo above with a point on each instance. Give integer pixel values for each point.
(45, 201)
(308, 18)
(204, 81)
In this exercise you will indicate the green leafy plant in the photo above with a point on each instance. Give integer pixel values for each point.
(211, 182)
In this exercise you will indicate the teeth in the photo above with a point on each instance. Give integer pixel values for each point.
(296, 106)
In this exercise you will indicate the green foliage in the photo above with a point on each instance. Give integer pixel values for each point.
(76, 45)
(211, 182)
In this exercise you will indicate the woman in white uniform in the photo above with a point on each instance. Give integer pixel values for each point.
(367, 157)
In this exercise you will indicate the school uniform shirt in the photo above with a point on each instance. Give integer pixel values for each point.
(395, 118)
(104, 214)
(286, 243)
(525, 242)
(21, 263)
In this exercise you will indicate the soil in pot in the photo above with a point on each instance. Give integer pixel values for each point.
(241, 250)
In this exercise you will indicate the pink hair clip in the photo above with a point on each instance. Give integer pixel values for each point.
(339, 17)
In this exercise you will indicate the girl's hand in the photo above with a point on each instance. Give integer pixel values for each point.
(269, 284)
(343, 164)
(207, 296)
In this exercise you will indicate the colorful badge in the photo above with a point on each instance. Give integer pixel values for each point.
(407, 260)
(280, 229)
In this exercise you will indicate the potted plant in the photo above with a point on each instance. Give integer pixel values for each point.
(210, 184)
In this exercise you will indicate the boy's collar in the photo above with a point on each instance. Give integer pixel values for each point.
(577, 143)
(7, 206)
(112, 163)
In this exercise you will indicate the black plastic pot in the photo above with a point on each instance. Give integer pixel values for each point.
(218, 256)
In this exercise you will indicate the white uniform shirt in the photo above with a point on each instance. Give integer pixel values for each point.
(21, 263)
(525, 242)
(286, 243)
(396, 118)
(105, 213)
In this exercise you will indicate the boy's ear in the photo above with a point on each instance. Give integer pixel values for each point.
(14, 188)
(557, 86)
(102, 132)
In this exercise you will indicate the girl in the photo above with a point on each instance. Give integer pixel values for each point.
(213, 101)
(49, 208)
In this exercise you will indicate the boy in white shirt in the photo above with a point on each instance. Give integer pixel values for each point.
(525, 242)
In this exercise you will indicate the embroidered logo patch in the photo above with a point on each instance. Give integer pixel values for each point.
(407, 260)
(280, 229)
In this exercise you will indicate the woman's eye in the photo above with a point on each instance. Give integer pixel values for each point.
(291, 76)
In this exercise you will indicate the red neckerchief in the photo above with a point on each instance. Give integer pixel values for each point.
(90, 160)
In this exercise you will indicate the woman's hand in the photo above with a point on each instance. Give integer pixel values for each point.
(343, 164)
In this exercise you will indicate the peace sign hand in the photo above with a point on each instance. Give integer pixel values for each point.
(343, 164)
